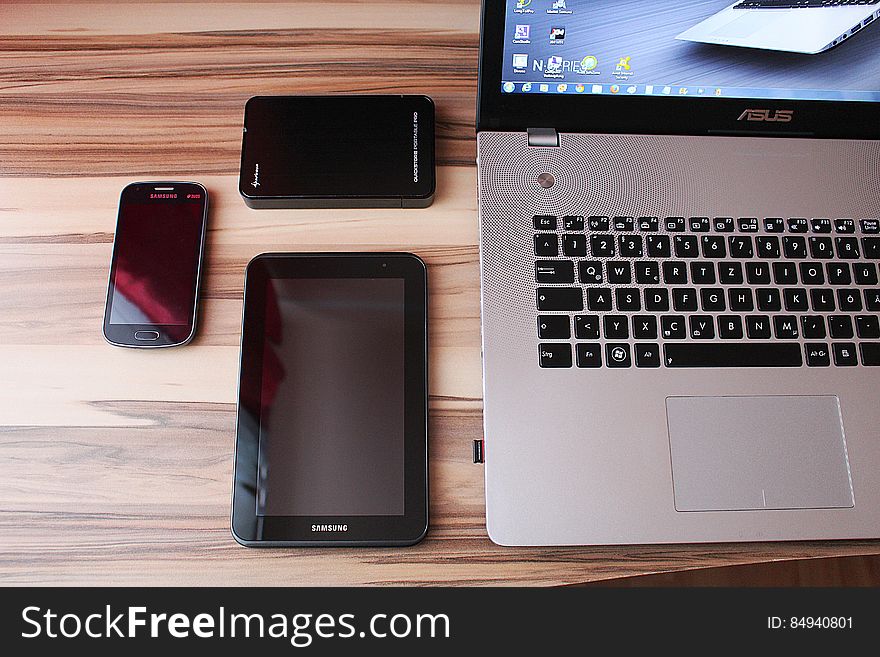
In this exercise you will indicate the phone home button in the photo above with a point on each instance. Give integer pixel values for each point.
(146, 335)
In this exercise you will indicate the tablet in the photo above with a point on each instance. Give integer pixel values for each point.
(331, 444)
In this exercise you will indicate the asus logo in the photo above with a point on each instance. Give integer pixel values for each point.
(329, 528)
(256, 182)
(769, 116)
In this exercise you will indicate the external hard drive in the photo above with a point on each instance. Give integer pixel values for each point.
(338, 152)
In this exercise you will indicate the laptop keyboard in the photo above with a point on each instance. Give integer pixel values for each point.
(799, 4)
(700, 292)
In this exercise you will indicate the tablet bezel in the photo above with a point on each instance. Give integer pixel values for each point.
(252, 530)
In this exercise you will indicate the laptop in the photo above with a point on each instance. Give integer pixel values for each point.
(679, 282)
(802, 26)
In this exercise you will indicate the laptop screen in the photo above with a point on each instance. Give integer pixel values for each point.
(771, 49)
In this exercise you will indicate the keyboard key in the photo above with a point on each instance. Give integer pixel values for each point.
(554, 327)
(871, 247)
(544, 222)
(812, 274)
(849, 301)
(718, 354)
(618, 271)
(586, 327)
(649, 224)
(673, 327)
(768, 247)
(823, 300)
(840, 327)
(554, 271)
(748, 224)
(870, 226)
(821, 248)
(590, 272)
(821, 225)
(589, 355)
(624, 223)
(872, 299)
(769, 299)
(618, 355)
(686, 246)
(599, 299)
(599, 224)
(713, 246)
(847, 248)
(699, 224)
(871, 354)
(628, 299)
(573, 223)
(647, 272)
(758, 273)
(645, 327)
(839, 274)
(730, 273)
(786, 327)
(659, 246)
(865, 273)
(723, 224)
(798, 225)
(785, 273)
(574, 246)
(675, 224)
(817, 355)
(813, 327)
(730, 327)
(684, 299)
(794, 246)
(702, 273)
(555, 355)
(657, 299)
(845, 226)
(602, 246)
(741, 299)
(741, 247)
(674, 273)
(616, 327)
(795, 299)
(845, 354)
(774, 225)
(546, 245)
(702, 327)
(631, 246)
(560, 298)
(868, 327)
(713, 300)
(647, 355)
(758, 327)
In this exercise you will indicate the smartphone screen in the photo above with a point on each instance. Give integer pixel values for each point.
(154, 273)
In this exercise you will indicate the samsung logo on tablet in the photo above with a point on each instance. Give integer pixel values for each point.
(329, 528)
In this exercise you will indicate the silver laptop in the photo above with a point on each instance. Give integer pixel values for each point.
(804, 26)
(679, 269)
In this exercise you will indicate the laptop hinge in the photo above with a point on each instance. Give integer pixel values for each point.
(544, 137)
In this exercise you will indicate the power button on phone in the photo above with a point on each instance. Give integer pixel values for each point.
(146, 335)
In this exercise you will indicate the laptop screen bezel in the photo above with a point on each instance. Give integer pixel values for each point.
(649, 115)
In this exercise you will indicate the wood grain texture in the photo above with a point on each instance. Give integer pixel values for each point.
(115, 465)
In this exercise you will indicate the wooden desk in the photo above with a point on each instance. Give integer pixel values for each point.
(115, 464)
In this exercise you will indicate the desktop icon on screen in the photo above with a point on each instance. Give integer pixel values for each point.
(520, 62)
(522, 32)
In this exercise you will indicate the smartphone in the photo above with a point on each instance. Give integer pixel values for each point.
(157, 260)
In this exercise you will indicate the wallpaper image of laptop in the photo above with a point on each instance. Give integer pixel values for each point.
(802, 26)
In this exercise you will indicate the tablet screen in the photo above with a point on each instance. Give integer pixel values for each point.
(331, 436)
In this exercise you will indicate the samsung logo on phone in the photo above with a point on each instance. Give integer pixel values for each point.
(329, 528)
(163, 195)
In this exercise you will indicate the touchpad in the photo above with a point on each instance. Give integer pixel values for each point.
(747, 24)
(746, 453)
